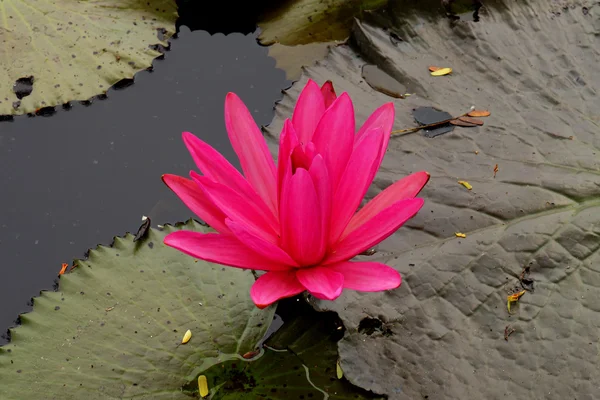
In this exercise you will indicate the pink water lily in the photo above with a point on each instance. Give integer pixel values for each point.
(298, 220)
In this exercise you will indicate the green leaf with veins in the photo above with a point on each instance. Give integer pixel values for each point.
(113, 329)
(74, 50)
(445, 325)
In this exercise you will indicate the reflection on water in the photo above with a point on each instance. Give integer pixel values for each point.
(80, 177)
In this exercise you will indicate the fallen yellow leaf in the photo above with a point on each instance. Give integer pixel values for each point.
(338, 370)
(441, 72)
(513, 298)
(202, 385)
(186, 337)
(466, 184)
(460, 235)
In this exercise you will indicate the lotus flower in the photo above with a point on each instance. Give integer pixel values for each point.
(298, 220)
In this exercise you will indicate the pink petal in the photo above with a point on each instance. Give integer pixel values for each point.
(374, 230)
(382, 118)
(301, 233)
(250, 146)
(287, 142)
(215, 167)
(238, 209)
(357, 177)
(308, 111)
(334, 136)
(328, 93)
(320, 178)
(197, 200)
(299, 158)
(323, 283)
(259, 245)
(220, 249)
(367, 276)
(406, 188)
(273, 286)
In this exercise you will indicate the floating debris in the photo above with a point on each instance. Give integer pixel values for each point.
(466, 184)
(460, 235)
(338, 370)
(514, 298)
(460, 122)
(143, 230)
(508, 330)
(441, 72)
(186, 337)
(63, 268)
(495, 170)
(526, 281)
(202, 385)
(470, 120)
(383, 82)
(251, 354)
(437, 119)
(479, 113)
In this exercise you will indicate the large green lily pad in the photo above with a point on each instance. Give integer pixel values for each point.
(442, 333)
(113, 329)
(74, 50)
(299, 362)
(296, 22)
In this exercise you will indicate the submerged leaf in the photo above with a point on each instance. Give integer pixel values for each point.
(58, 51)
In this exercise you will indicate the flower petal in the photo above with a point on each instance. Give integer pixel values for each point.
(197, 200)
(328, 93)
(355, 181)
(382, 118)
(250, 146)
(334, 136)
(308, 111)
(406, 188)
(287, 143)
(214, 166)
(259, 245)
(367, 276)
(374, 230)
(238, 209)
(221, 249)
(320, 178)
(301, 233)
(323, 283)
(273, 286)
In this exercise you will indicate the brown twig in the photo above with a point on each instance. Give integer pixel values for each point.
(417, 128)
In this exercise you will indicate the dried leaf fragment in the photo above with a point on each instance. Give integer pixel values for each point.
(251, 354)
(460, 235)
(460, 122)
(441, 72)
(63, 268)
(338, 370)
(470, 120)
(202, 385)
(508, 330)
(466, 184)
(513, 298)
(479, 113)
(186, 337)
(433, 68)
(495, 170)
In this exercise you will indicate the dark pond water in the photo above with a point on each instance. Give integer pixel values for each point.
(80, 177)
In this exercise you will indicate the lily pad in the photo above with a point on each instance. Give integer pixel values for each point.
(309, 21)
(74, 50)
(299, 361)
(114, 327)
(443, 329)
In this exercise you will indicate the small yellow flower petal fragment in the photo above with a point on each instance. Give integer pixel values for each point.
(513, 298)
(441, 72)
(461, 235)
(186, 337)
(203, 386)
(338, 370)
(466, 184)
